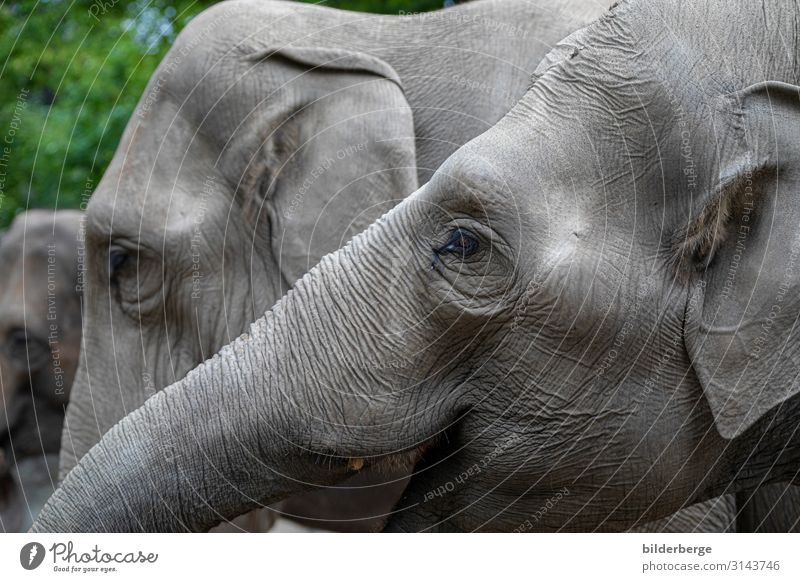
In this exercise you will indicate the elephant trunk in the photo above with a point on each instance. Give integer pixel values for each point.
(167, 465)
(282, 408)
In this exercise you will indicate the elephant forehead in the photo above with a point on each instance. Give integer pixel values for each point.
(160, 215)
(163, 168)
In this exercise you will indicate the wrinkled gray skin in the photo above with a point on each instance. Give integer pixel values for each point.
(770, 509)
(271, 134)
(40, 335)
(601, 213)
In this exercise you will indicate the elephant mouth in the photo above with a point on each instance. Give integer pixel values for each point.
(392, 464)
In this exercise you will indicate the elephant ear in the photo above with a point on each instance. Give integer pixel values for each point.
(742, 317)
(343, 158)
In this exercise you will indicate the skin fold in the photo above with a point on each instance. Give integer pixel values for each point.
(271, 134)
(40, 332)
(498, 324)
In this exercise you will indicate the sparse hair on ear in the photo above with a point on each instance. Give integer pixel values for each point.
(694, 246)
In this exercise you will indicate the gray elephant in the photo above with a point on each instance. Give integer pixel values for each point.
(270, 134)
(613, 337)
(40, 336)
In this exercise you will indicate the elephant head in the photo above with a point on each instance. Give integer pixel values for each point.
(40, 334)
(270, 134)
(243, 164)
(212, 205)
(40, 327)
(585, 319)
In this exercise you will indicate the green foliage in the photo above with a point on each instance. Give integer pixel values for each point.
(72, 75)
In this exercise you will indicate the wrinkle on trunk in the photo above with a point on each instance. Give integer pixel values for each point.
(274, 413)
(189, 458)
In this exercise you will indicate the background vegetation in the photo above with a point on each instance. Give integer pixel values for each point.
(71, 72)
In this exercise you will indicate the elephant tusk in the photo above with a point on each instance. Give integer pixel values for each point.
(355, 464)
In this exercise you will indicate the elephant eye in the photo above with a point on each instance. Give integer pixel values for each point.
(17, 343)
(117, 258)
(22, 347)
(135, 279)
(461, 243)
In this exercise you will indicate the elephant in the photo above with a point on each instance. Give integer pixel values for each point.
(40, 330)
(595, 298)
(538, 307)
(270, 134)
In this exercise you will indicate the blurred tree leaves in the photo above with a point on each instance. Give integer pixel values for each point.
(71, 73)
